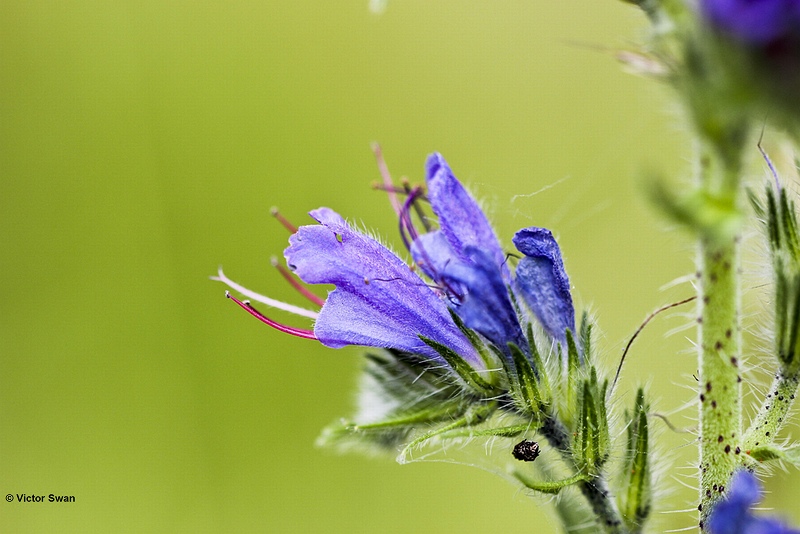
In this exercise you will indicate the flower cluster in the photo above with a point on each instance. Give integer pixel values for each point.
(472, 342)
(379, 301)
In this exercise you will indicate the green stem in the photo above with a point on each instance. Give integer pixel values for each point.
(595, 490)
(720, 388)
(772, 414)
(720, 343)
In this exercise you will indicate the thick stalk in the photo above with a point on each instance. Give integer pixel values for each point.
(720, 382)
(596, 490)
(719, 349)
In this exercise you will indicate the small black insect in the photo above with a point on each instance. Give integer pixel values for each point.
(526, 451)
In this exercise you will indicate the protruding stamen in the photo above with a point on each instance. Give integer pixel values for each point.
(292, 279)
(283, 220)
(421, 196)
(263, 299)
(408, 233)
(387, 178)
(299, 332)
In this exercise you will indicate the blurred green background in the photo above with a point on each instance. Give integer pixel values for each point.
(142, 145)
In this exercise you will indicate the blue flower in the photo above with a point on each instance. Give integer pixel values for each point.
(733, 515)
(757, 22)
(380, 301)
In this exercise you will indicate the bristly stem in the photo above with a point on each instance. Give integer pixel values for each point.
(772, 414)
(719, 332)
(595, 490)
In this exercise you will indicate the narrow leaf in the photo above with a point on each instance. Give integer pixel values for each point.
(553, 487)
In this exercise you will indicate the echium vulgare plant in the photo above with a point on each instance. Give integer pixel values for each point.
(470, 341)
(475, 343)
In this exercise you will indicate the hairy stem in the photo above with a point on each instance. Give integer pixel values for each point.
(720, 382)
(719, 348)
(595, 490)
(772, 414)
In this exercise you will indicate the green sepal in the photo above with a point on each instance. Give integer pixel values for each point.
(539, 368)
(553, 487)
(573, 382)
(487, 355)
(780, 219)
(573, 354)
(528, 396)
(463, 369)
(586, 337)
(636, 494)
(592, 438)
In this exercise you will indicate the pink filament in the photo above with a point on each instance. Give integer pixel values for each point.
(297, 285)
(283, 220)
(299, 332)
(387, 178)
(407, 230)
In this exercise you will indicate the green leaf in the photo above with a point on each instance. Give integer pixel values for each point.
(501, 432)
(397, 394)
(698, 211)
(552, 487)
(766, 453)
(475, 414)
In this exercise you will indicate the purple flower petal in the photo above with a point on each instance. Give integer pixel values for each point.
(378, 300)
(484, 304)
(752, 21)
(432, 253)
(542, 282)
(461, 220)
(733, 515)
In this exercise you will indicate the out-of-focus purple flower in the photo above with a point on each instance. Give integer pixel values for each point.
(757, 22)
(734, 516)
(379, 301)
